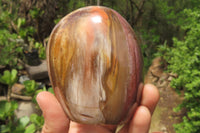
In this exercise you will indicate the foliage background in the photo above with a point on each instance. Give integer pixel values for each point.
(166, 28)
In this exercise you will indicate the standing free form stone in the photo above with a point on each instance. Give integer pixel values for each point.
(95, 66)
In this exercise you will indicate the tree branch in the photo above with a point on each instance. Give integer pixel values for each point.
(26, 98)
(140, 11)
(15, 96)
(133, 3)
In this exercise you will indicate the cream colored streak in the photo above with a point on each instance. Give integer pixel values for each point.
(87, 99)
(103, 55)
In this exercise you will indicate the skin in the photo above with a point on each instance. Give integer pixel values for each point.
(57, 122)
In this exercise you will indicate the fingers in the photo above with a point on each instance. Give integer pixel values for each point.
(141, 121)
(150, 97)
(57, 122)
(85, 128)
(142, 117)
(55, 119)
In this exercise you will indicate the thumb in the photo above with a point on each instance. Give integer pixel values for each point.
(55, 119)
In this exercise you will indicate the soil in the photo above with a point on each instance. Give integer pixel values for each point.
(164, 116)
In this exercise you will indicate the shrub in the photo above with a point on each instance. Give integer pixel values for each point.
(184, 59)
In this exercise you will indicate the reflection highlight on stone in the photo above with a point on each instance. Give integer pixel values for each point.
(96, 19)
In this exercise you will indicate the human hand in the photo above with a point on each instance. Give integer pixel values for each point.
(56, 120)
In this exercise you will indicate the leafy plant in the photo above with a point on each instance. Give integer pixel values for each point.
(37, 121)
(9, 78)
(30, 87)
(33, 124)
(30, 129)
(41, 50)
(184, 59)
(23, 124)
(51, 90)
(11, 44)
(7, 109)
(35, 12)
(7, 115)
(20, 125)
(10, 48)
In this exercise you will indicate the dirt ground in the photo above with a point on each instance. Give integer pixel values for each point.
(164, 117)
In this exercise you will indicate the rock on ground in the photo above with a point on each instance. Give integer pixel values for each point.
(38, 72)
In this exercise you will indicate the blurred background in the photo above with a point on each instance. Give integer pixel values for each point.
(169, 35)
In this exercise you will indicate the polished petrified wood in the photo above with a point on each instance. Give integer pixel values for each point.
(95, 66)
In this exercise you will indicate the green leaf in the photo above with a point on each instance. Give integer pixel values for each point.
(30, 87)
(24, 121)
(5, 128)
(8, 77)
(51, 90)
(20, 21)
(4, 107)
(7, 109)
(30, 129)
(184, 60)
(37, 120)
(35, 12)
(37, 45)
(13, 76)
(5, 78)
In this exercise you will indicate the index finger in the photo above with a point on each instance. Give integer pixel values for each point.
(150, 97)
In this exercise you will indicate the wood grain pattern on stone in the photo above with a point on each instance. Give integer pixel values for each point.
(95, 66)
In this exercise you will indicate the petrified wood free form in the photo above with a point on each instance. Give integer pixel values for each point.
(95, 66)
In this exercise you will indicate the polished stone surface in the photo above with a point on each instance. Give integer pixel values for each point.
(95, 66)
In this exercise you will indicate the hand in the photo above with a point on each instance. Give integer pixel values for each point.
(57, 122)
